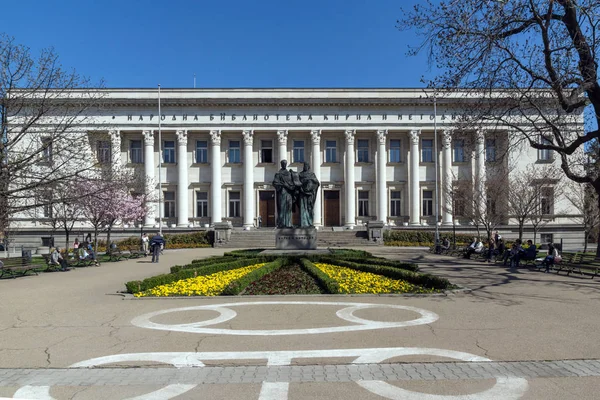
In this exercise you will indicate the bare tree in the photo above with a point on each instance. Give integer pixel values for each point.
(483, 207)
(542, 54)
(584, 199)
(525, 191)
(42, 107)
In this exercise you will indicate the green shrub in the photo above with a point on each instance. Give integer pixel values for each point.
(375, 261)
(202, 262)
(149, 283)
(425, 280)
(239, 285)
(322, 278)
(405, 237)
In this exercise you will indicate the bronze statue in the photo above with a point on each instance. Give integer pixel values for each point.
(307, 195)
(295, 190)
(286, 189)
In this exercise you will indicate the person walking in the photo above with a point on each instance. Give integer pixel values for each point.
(145, 243)
(156, 245)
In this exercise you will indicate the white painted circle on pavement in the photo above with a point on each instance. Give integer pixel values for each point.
(144, 321)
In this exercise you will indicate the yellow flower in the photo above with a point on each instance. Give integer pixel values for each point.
(206, 285)
(353, 281)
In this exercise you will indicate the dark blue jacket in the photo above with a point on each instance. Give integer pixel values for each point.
(157, 240)
(531, 252)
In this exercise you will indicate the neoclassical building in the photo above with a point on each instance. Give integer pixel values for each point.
(215, 153)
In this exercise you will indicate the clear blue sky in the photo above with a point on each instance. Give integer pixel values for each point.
(227, 43)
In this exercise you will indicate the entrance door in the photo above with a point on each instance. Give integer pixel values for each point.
(266, 207)
(332, 207)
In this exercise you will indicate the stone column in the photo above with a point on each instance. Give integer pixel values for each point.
(415, 189)
(215, 186)
(115, 142)
(282, 140)
(480, 192)
(349, 178)
(382, 209)
(149, 172)
(249, 208)
(447, 177)
(315, 136)
(182, 175)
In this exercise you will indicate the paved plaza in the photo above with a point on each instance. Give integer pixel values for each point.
(513, 334)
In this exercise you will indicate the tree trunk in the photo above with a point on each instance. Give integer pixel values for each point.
(67, 241)
(108, 249)
(521, 231)
(597, 188)
(585, 240)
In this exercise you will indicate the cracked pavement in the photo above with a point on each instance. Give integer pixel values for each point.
(51, 321)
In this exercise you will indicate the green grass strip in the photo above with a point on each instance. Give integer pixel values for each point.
(236, 287)
(321, 277)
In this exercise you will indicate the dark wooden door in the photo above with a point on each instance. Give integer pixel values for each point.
(266, 207)
(332, 207)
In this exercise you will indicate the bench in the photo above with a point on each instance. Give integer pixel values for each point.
(117, 254)
(17, 266)
(54, 267)
(136, 252)
(583, 263)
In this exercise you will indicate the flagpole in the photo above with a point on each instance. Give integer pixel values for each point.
(437, 195)
(160, 208)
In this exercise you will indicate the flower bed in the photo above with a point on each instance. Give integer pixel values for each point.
(352, 281)
(290, 279)
(344, 271)
(206, 285)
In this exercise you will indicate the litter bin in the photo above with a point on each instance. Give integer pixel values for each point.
(26, 256)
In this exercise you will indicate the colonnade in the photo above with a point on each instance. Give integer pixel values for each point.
(249, 200)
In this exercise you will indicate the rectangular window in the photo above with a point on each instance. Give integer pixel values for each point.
(427, 203)
(490, 150)
(546, 238)
(363, 203)
(545, 155)
(169, 201)
(395, 203)
(201, 152)
(47, 150)
(330, 151)
(491, 206)
(169, 152)
(234, 152)
(426, 150)
(135, 152)
(394, 151)
(459, 150)
(47, 210)
(201, 204)
(362, 146)
(298, 151)
(234, 204)
(546, 201)
(103, 152)
(266, 151)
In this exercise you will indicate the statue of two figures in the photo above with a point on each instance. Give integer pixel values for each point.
(295, 190)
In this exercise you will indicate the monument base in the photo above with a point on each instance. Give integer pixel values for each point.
(296, 239)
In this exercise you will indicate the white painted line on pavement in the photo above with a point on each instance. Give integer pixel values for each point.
(226, 314)
(274, 391)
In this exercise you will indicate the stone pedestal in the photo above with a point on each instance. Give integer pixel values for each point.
(375, 230)
(222, 233)
(296, 239)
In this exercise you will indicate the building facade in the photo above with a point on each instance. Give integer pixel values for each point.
(213, 154)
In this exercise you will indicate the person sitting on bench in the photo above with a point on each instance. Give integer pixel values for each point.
(57, 259)
(527, 254)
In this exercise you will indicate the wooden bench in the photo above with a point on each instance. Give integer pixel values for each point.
(17, 266)
(135, 252)
(117, 254)
(584, 263)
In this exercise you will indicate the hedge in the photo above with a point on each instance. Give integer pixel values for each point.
(139, 286)
(321, 277)
(202, 262)
(419, 238)
(374, 261)
(238, 286)
(425, 280)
